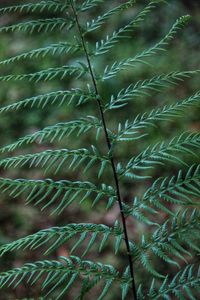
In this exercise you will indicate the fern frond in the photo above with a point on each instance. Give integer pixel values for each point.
(53, 49)
(58, 98)
(112, 71)
(144, 87)
(48, 74)
(176, 189)
(88, 4)
(59, 272)
(131, 130)
(182, 286)
(55, 160)
(180, 189)
(109, 42)
(40, 25)
(138, 211)
(57, 132)
(52, 6)
(50, 192)
(177, 235)
(100, 20)
(172, 238)
(55, 237)
(161, 153)
(172, 241)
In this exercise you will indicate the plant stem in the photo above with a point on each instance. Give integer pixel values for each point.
(98, 98)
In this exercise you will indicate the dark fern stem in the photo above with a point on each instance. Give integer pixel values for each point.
(119, 199)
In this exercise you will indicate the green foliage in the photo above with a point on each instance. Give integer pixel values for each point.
(149, 119)
(161, 153)
(60, 235)
(57, 131)
(174, 238)
(142, 88)
(40, 190)
(42, 101)
(182, 283)
(67, 270)
(56, 159)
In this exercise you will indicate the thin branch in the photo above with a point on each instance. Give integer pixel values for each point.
(98, 98)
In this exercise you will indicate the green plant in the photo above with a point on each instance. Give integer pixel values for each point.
(170, 241)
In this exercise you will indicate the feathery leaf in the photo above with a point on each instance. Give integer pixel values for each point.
(109, 42)
(53, 49)
(177, 189)
(55, 160)
(48, 5)
(60, 272)
(132, 130)
(88, 4)
(40, 25)
(56, 132)
(48, 74)
(144, 87)
(161, 153)
(57, 98)
(180, 189)
(172, 238)
(47, 192)
(54, 237)
(100, 20)
(185, 282)
(112, 71)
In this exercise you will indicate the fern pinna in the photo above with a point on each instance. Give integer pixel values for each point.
(172, 240)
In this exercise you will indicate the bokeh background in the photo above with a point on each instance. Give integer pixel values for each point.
(18, 220)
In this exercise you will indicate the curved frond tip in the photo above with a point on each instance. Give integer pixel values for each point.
(100, 20)
(109, 42)
(112, 71)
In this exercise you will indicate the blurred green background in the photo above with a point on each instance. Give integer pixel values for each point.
(18, 220)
